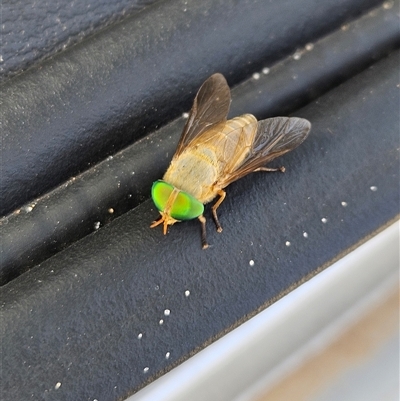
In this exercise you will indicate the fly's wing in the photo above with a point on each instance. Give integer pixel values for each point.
(210, 106)
(275, 137)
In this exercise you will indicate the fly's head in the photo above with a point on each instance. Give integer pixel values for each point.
(173, 204)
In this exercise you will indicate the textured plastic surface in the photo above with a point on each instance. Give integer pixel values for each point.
(32, 31)
(109, 189)
(98, 96)
(261, 352)
(119, 307)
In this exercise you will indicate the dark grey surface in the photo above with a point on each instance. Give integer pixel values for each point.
(75, 318)
(70, 326)
(33, 31)
(100, 95)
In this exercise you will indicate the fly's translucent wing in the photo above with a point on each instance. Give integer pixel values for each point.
(275, 137)
(210, 106)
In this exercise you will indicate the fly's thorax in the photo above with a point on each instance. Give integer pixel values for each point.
(175, 203)
(194, 171)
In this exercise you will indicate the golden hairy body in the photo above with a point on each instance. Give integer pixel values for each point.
(201, 169)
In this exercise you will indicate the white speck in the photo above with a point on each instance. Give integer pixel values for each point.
(324, 220)
(140, 335)
(344, 27)
(157, 287)
(187, 293)
(167, 312)
(287, 243)
(185, 115)
(251, 262)
(133, 173)
(387, 5)
(309, 46)
(161, 322)
(256, 75)
(373, 188)
(28, 209)
(57, 386)
(305, 235)
(109, 158)
(344, 204)
(111, 210)
(167, 355)
(294, 76)
(265, 71)
(146, 369)
(96, 225)
(297, 55)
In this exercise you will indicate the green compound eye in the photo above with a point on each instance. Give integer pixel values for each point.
(185, 206)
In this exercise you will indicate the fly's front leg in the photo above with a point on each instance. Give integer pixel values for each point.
(214, 208)
(281, 169)
(204, 243)
(157, 222)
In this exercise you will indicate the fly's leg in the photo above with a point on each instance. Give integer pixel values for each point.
(281, 169)
(214, 208)
(157, 222)
(204, 243)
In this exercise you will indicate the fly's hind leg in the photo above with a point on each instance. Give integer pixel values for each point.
(214, 208)
(281, 169)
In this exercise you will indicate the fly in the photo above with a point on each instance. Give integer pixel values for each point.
(213, 152)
